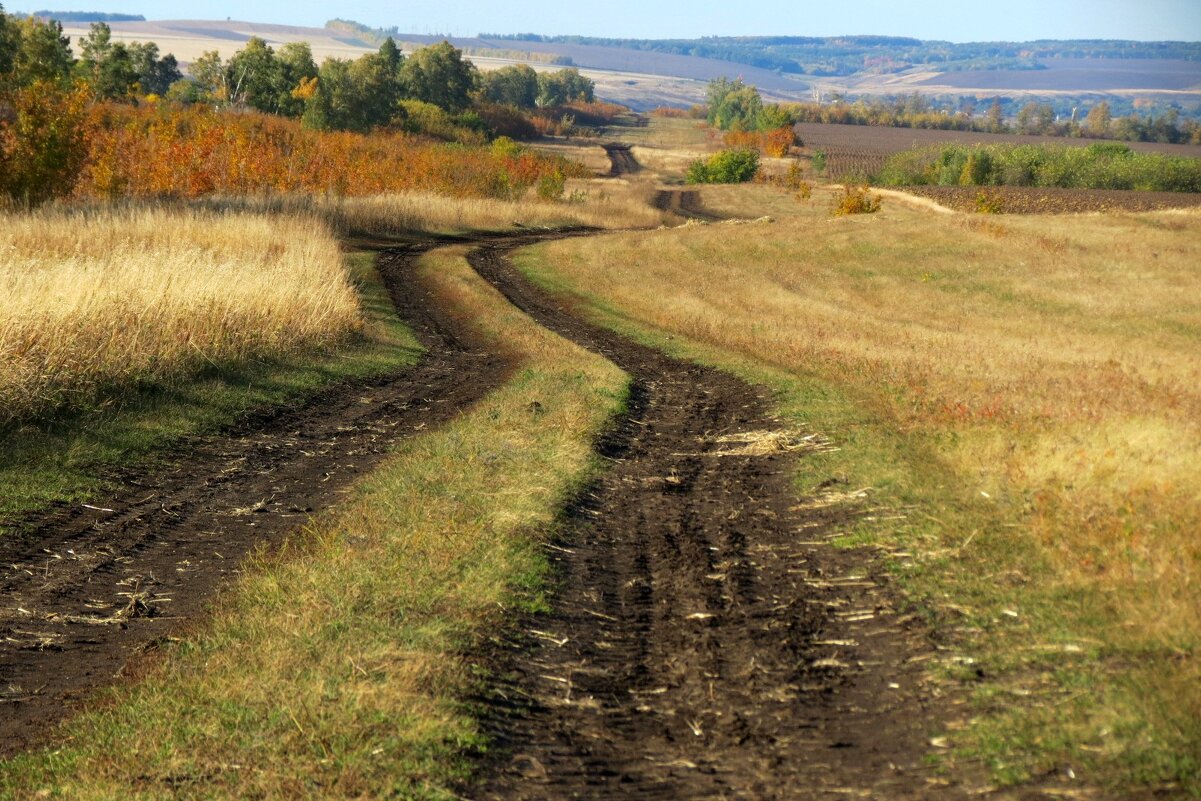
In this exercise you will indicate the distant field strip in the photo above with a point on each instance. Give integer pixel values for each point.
(93, 301)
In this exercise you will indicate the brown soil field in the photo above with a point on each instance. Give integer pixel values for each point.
(863, 149)
(1033, 200)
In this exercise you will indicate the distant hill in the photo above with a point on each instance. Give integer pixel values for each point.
(1150, 76)
(88, 16)
(844, 56)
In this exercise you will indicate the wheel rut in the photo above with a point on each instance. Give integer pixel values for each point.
(705, 641)
(87, 592)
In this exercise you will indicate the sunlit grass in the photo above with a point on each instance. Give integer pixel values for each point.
(95, 300)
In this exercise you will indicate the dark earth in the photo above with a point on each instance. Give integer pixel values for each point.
(706, 641)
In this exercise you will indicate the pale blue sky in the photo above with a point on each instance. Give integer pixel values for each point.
(955, 20)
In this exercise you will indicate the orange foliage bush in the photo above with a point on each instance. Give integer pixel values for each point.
(776, 143)
(54, 144)
(147, 152)
(669, 112)
(43, 140)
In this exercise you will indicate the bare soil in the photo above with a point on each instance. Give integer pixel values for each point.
(85, 590)
(622, 161)
(706, 640)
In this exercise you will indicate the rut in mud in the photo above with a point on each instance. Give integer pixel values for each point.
(705, 641)
(621, 159)
(85, 590)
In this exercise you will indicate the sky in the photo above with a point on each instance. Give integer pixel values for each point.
(953, 20)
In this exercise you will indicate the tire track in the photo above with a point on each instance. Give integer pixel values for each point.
(86, 591)
(704, 643)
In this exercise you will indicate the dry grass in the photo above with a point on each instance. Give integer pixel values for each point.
(334, 672)
(591, 203)
(98, 299)
(591, 155)
(1049, 365)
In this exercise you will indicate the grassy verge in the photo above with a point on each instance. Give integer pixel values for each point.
(1021, 400)
(334, 672)
(59, 459)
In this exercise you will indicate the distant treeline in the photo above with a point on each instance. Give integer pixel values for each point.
(88, 16)
(847, 55)
(376, 37)
(737, 106)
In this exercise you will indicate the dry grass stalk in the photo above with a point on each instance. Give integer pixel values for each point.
(92, 300)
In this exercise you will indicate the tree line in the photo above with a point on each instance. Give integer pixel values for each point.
(35, 50)
(434, 86)
(732, 105)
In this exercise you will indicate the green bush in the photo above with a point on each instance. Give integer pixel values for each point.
(550, 187)
(725, 167)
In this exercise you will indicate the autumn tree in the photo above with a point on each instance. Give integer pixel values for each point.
(357, 95)
(296, 67)
(564, 86)
(255, 76)
(42, 52)
(1098, 119)
(511, 86)
(439, 75)
(773, 117)
(116, 70)
(210, 75)
(43, 141)
(9, 42)
(1035, 118)
(155, 74)
(994, 119)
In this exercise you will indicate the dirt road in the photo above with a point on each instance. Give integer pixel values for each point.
(83, 591)
(706, 642)
(621, 159)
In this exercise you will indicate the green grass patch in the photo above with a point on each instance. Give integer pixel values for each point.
(59, 459)
(336, 670)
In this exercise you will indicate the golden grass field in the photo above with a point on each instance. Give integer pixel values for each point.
(94, 299)
(1039, 383)
(97, 299)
